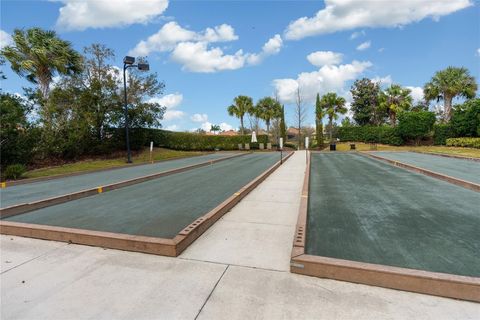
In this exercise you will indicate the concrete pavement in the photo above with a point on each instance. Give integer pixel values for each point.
(237, 270)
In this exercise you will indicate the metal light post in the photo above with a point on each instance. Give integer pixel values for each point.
(128, 62)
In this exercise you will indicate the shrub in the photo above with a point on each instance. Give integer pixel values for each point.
(464, 142)
(415, 125)
(370, 134)
(466, 119)
(195, 141)
(441, 132)
(14, 171)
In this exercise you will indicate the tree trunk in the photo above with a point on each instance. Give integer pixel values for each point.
(268, 130)
(393, 118)
(241, 125)
(448, 108)
(330, 123)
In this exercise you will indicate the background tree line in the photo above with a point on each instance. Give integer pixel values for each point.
(76, 103)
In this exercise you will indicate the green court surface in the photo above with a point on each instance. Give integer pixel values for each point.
(161, 207)
(50, 188)
(464, 169)
(369, 211)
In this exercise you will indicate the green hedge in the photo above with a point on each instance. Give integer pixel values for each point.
(464, 142)
(442, 132)
(195, 141)
(382, 134)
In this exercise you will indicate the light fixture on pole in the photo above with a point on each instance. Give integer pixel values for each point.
(128, 62)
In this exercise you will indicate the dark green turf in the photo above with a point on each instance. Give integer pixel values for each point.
(160, 207)
(46, 189)
(366, 210)
(467, 170)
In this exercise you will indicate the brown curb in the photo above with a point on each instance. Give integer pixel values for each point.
(26, 207)
(447, 155)
(153, 245)
(433, 283)
(459, 182)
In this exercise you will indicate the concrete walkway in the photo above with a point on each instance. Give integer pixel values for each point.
(237, 270)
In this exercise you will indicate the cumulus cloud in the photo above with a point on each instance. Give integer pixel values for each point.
(383, 81)
(199, 117)
(364, 46)
(478, 52)
(81, 15)
(417, 93)
(271, 47)
(170, 101)
(329, 78)
(5, 39)
(339, 15)
(223, 126)
(171, 33)
(172, 127)
(197, 57)
(321, 58)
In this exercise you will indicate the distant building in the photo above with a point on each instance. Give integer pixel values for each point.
(292, 133)
(229, 133)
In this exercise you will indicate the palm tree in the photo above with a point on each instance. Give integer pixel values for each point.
(448, 84)
(241, 105)
(333, 106)
(38, 55)
(268, 109)
(214, 128)
(395, 99)
(319, 114)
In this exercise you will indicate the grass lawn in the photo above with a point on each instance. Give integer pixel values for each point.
(465, 152)
(86, 165)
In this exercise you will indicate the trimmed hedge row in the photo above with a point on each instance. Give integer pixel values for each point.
(368, 134)
(464, 142)
(195, 141)
(442, 132)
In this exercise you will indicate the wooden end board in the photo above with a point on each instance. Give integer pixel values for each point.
(420, 281)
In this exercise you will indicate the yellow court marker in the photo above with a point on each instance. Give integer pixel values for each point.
(100, 189)
(3, 185)
(304, 196)
(236, 194)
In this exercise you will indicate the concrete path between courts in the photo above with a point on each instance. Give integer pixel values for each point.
(238, 269)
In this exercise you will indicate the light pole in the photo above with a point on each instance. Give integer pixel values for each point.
(128, 62)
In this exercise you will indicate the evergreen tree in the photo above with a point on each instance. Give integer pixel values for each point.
(319, 114)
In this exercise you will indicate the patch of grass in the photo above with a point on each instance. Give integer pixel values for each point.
(459, 151)
(87, 165)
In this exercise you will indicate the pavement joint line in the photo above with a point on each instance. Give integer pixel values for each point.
(39, 256)
(264, 223)
(211, 292)
(272, 201)
(231, 264)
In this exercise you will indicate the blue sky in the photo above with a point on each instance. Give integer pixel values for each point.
(208, 52)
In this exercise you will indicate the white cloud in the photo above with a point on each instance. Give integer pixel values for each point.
(385, 81)
(271, 47)
(381, 50)
(170, 101)
(171, 33)
(357, 34)
(364, 46)
(196, 57)
(197, 117)
(478, 52)
(328, 78)
(80, 15)
(206, 126)
(5, 39)
(321, 58)
(341, 15)
(417, 93)
(172, 127)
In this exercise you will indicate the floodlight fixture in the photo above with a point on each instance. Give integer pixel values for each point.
(128, 60)
(143, 66)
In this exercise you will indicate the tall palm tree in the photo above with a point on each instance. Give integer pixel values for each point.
(268, 109)
(319, 114)
(333, 106)
(395, 99)
(38, 55)
(448, 84)
(241, 106)
(214, 128)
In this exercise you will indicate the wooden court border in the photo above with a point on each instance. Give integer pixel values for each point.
(459, 182)
(43, 203)
(420, 281)
(153, 245)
